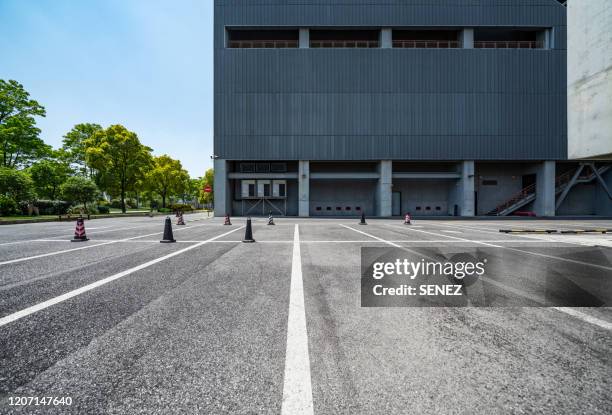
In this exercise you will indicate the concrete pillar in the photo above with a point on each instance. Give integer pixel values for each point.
(385, 181)
(467, 38)
(304, 38)
(221, 189)
(304, 188)
(465, 197)
(386, 38)
(545, 189)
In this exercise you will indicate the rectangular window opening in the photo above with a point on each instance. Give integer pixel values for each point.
(262, 38)
(503, 38)
(426, 38)
(344, 38)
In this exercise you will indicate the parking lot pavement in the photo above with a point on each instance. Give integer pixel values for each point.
(125, 325)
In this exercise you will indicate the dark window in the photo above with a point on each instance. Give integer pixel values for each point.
(489, 182)
(266, 190)
(338, 208)
(278, 167)
(247, 167)
(347, 208)
(318, 208)
(426, 39)
(418, 208)
(502, 38)
(328, 208)
(358, 208)
(344, 38)
(281, 189)
(272, 38)
(428, 208)
(251, 190)
(263, 167)
(438, 208)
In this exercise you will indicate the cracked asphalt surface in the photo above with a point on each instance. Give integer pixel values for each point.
(205, 331)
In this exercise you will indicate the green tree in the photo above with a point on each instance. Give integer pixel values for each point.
(74, 149)
(167, 177)
(17, 185)
(119, 157)
(48, 175)
(79, 189)
(19, 141)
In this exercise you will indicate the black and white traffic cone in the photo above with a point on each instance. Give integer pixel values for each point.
(270, 219)
(227, 220)
(79, 231)
(168, 237)
(362, 221)
(248, 233)
(407, 219)
(180, 220)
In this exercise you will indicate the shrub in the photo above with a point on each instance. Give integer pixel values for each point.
(164, 210)
(181, 206)
(16, 185)
(79, 189)
(103, 209)
(7, 206)
(52, 207)
(115, 204)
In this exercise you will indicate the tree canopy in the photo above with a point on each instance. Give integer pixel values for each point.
(74, 148)
(167, 177)
(19, 136)
(48, 175)
(119, 157)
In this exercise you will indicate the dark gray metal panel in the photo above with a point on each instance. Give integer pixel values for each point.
(422, 104)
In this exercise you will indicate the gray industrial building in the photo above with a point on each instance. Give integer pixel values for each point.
(445, 107)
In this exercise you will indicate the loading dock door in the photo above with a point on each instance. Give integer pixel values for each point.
(396, 204)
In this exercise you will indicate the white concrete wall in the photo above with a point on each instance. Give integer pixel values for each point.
(589, 77)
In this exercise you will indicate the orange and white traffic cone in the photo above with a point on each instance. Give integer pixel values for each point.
(79, 232)
(227, 220)
(407, 219)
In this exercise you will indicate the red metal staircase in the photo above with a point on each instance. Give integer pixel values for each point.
(528, 194)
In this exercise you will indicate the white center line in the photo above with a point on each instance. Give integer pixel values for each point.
(297, 389)
(45, 304)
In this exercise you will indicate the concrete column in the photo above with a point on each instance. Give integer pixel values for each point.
(467, 38)
(386, 38)
(385, 181)
(304, 38)
(545, 189)
(221, 189)
(466, 189)
(304, 188)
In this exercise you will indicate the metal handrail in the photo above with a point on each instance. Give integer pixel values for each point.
(426, 44)
(508, 44)
(268, 44)
(344, 43)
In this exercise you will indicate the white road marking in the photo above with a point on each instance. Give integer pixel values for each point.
(371, 236)
(59, 299)
(297, 389)
(518, 250)
(28, 258)
(567, 310)
(585, 317)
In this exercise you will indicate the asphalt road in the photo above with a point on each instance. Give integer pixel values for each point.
(122, 324)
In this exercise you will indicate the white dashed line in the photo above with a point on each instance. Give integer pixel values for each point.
(297, 389)
(59, 299)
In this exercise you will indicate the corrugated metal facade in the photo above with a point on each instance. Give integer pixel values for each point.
(400, 104)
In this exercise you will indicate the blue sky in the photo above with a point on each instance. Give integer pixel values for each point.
(146, 64)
